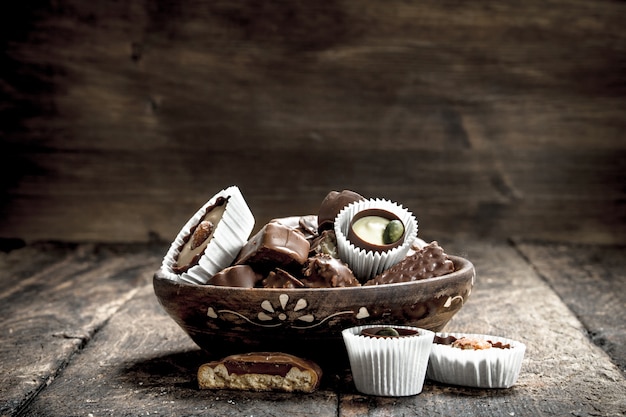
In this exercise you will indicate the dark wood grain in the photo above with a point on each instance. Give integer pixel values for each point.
(55, 298)
(499, 125)
(589, 280)
(139, 361)
(493, 119)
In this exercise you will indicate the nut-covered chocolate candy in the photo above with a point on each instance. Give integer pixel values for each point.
(324, 271)
(332, 205)
(430, 261)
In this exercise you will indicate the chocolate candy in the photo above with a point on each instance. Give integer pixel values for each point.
(323, 271)
(307, 225)
(200, 236)
(332, 205)
(369, 230)
(326, 243)
(261, 371)
(385, 332)
(428, 262)
(236, 276)
(280, 278)
(275, 245)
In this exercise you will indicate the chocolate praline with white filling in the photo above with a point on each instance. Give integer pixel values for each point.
(388, 331)
(376, 230)
(200, 236)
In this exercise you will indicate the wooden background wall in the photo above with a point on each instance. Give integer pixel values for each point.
(488, 119)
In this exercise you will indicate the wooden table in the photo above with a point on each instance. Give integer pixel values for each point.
(83, 334)
(501, 124)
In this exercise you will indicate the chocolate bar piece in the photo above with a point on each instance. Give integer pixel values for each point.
(307, 225)
(236, 276)
(275, 246)
(324, 271)
(430, 261)
(261, 371)
(332, 205)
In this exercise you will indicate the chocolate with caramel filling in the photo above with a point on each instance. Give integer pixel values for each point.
(261, 371)
(200, 236)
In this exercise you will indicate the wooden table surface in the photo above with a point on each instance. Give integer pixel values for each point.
(83, 335)
(500, 124)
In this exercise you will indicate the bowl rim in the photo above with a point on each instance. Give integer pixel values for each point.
(465, 266)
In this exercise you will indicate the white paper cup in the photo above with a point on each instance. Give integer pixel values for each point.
(367, 264)
(486, 368)
(231, 233)
(394, 366)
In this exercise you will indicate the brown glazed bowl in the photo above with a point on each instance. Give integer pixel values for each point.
(308, 321)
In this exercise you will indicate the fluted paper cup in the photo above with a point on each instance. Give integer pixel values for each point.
(231, 234)
(484, 368)
(366, 264)
(392, 366)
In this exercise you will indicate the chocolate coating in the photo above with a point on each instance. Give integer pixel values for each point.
(376, 332)
(324, 271)
(354, 238)
(249, 371)
(307, 224)
(279, 278)
(200, 236)
(430, 261)
(332, 205)
(275, 245)
(326, 243)
(236, 276)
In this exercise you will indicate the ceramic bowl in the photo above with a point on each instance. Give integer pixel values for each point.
(308, 321)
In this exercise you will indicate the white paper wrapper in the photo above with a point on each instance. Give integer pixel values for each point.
(367, 264)
(487, 368)
(231, 233)
(388, 366)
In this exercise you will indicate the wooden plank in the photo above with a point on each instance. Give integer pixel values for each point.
(136, 114)
(590, 280)
(54, 299)
(141, 362)
(484, 195)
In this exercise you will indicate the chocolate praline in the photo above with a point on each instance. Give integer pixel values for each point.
(354, 238)
(332, 205)
(381, 332)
